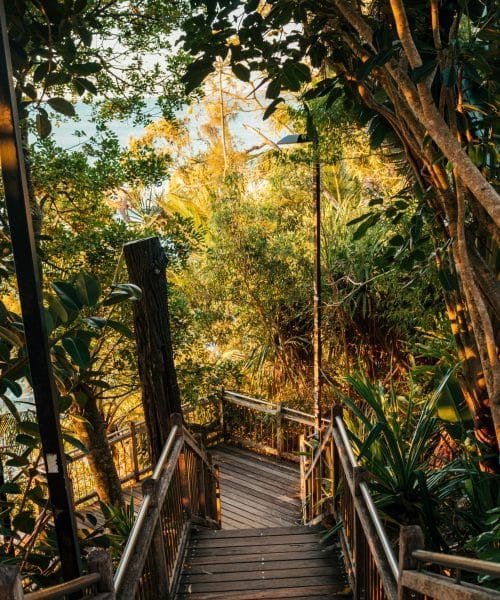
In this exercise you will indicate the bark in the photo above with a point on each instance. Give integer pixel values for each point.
(92, 433)
(146, 264)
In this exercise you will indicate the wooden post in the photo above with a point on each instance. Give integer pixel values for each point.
(279, 429)
(99, 561)
(133, 450)
(202, 482)
(411, 538)
(302, 450)
(176, 419)
(158, 564)
(146, 264)
(10, 583)
(222, 421)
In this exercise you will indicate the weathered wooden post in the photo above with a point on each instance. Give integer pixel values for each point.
(133, 449)
(99, 561)
(411, 538)
(279, 429)
(146, 264)
(10, 583)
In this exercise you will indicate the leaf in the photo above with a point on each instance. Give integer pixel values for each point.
(196, 73)
(87, 289)
(11, 407)
(273, 89)
(75, 442)
(24, 522)
(96, 322)
(78, 351)
(363, 228)
(271, 108)
(10, 488)
(120, 328)
(13, 386)
(26, 440)
(62, 106)
(68, 295)
(421, 72)
(241, 72)
(43, 125)
(12, 337)
(123, 291)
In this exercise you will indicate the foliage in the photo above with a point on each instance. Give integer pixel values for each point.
(400, 439)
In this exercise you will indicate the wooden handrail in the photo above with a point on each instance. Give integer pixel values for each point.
(464, 563)
(65, 589)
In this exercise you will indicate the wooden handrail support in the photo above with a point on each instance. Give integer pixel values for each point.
(100, 577)
(438, 587)
(149, 529)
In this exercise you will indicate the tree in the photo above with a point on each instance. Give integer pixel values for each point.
(414, 71)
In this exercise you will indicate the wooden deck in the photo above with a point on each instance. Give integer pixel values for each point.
(257, 491)
(256, 564)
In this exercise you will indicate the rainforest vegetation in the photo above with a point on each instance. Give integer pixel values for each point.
(400, 97)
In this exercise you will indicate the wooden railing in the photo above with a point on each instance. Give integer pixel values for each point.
(130, 449)
(183, 489)
(334, 483)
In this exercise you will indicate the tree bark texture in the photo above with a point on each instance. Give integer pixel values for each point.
(146, 264)
(424, 117)
(92, 433)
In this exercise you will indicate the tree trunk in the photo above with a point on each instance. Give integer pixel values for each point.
(92, 433)
(146, 263)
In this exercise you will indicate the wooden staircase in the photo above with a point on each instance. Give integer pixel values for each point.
(255, 564)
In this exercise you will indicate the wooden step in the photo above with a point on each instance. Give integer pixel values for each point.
(259, 564)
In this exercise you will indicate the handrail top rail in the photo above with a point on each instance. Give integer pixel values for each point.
(66, 588)
(474, 565)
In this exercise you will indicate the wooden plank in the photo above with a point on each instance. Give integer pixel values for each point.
(282, 464)
(229, 551)
(210, 534)
(436, 586)
(256, 476)
(261, 565)
(254, 574)
(256, 584)
(248, 460)
(252, 490)
(248, 463)
(262, 541)
(319, 592)
(213, 561)
(233, 495)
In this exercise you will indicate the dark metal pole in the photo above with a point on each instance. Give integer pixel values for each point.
(30, 294)
(317, 289)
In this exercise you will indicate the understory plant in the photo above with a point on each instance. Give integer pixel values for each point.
(419, 474)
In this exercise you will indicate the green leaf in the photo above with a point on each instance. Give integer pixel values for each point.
(363, 228)
(26, 440)
(196, 73)
(96, 322)
(87, 289)
(273, 89)
(121, 328)
(10, 488)
(68, 295)
(75, 442)
(78, 351)
(43, 125)
(421, 72)
(13, 386)
(24, 522)
(241, 72)
(11, 407)
(123, 291)
(272, 107)
(62, 106)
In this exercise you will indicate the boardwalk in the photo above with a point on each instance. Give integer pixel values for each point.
(262, 551)
(257, 491)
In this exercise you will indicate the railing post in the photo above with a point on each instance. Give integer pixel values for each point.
(158, 565)
(133, 450)
(336, 411)
(10, 583)
(411, 538)
(99, 561)
(222, 421)
(176, 419)
(202, 481)
(279, 429)
(302, 458)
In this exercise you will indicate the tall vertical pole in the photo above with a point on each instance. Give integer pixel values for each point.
(30, 294)
(317, 289)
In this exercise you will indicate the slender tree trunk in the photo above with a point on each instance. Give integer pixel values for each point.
(146, 263)
(92, 433)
